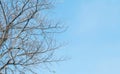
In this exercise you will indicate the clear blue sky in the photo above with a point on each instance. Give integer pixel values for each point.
(93, 36)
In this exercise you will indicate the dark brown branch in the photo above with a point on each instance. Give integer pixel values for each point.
(3, 12)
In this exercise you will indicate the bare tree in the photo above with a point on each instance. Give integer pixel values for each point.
(26, 35)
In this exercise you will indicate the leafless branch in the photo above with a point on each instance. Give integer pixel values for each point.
(26, 35)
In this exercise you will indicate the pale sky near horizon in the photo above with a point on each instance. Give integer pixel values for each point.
(93, 37)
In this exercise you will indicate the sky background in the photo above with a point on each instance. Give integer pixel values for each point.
(93, 37)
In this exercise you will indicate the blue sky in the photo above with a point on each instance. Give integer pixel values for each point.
(93, 36)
